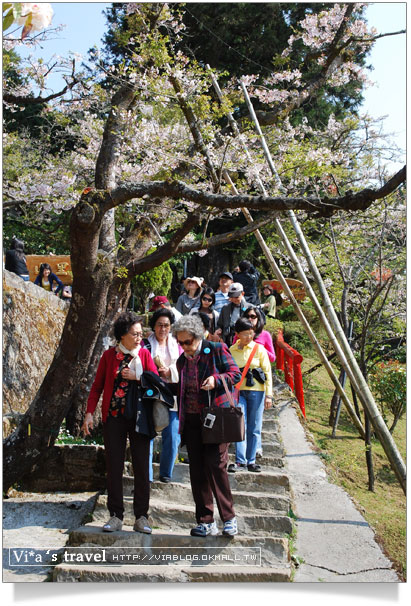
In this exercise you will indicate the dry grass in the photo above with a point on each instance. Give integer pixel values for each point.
(385, 508)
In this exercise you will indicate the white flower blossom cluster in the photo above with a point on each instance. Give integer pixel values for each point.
(41, 15)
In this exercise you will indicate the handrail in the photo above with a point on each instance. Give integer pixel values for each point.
(289, 361)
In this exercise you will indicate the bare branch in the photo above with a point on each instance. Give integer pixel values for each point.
(178, 190)
(26, 100)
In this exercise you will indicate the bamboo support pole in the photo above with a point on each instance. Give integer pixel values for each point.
(353, 370)
(277, 271)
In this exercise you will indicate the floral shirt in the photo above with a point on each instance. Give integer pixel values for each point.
(118, 399)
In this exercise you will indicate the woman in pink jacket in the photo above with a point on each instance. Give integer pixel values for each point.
(119, 366)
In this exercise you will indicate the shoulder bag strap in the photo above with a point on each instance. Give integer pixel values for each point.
(227, 391)
(247, 366)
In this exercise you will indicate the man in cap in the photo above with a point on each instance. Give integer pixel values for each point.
(221, 295)
(162, 302)
(231, 312)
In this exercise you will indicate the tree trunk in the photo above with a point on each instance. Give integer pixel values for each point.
(117, 299)
(335, 400)
(368, 452)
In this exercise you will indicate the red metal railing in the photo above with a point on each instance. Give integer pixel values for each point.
(289, 361)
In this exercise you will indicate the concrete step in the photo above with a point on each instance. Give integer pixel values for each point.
(273, 482)
(181, 493)
(266, 462)
(65, 573)
(272, 448)
(173, 516)
(270, 551)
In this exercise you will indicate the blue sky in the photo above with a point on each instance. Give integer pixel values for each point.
(85, 26)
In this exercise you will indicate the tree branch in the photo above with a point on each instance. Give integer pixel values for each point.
(26, 100)
(178, 190)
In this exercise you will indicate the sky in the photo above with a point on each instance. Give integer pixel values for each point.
(85, 27)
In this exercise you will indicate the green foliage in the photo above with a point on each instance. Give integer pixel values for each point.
(286, 313)
(65, 437)
(389, 382)
(296, 337)
(274, 326)
(157, 280)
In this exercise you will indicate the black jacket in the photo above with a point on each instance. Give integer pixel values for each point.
(249, 281)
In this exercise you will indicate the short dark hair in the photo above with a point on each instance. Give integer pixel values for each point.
(260, 319)
(243, 324)
(244, 265)
(159, 313)
(123, 324)
(18, 246)
(204, 318)
(210, 292)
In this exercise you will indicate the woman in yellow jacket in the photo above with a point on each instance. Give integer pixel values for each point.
(255, 393)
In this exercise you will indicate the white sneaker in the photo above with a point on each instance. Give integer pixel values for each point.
(202, 530)
(113, 524)
(230, 527)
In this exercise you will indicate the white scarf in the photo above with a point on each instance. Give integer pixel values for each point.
(135, 365)
(172, 347)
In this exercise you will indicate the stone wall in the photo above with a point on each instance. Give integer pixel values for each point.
(68, 467)
(33, 321)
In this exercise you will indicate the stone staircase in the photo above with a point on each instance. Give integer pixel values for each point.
(259, 553)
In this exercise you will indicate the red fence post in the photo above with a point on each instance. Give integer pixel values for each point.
(289, 360)
(298, 383)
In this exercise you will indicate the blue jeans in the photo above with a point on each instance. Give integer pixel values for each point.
(252, 405)
(170, 441)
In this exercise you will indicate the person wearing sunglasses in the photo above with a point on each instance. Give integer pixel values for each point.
(200, 369)
(190, 299)
(119, 366)
(165, 350)
(207, 301)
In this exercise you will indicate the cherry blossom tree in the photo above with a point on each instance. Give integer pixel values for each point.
(147, 173)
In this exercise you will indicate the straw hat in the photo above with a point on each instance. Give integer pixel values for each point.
(195, 279)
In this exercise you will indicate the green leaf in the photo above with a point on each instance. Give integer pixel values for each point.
(8, 20)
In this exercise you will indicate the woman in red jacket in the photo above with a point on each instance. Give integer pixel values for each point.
(119, 366)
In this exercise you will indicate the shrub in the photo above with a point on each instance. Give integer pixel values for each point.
(296, 337)
(273, 326)
(389, 382)
(157, 280)
(286, 313)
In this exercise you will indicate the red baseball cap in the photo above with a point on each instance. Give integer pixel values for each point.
(157, 301)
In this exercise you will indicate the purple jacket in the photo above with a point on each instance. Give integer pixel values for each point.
(215, 360)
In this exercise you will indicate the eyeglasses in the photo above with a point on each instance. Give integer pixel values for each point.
(186, 342)
(251, 317)
(163, 325)
(135, 334)
(207, 299)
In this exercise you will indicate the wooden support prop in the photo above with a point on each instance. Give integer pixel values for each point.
(350, 363)
(282, 280)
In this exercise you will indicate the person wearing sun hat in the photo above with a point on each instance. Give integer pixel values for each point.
(191, 298)
(161, 302)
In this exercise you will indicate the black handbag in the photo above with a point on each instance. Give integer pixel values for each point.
(222, 425)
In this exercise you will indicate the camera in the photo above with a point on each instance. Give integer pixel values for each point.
(209, 421)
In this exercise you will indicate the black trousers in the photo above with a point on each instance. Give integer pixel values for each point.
(116, 430)
(208, 473)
